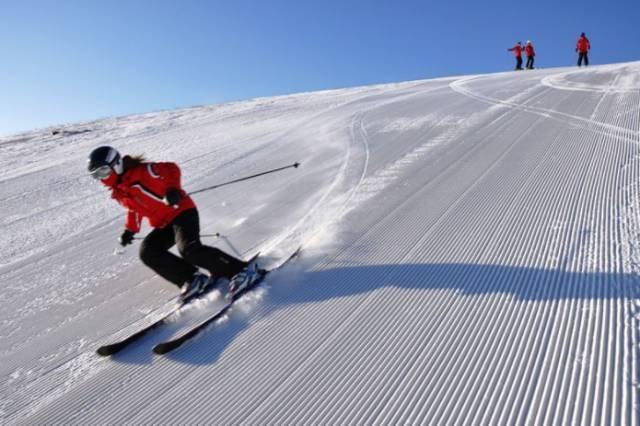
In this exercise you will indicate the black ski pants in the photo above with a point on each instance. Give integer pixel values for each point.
(529, 65)
(582, 56)
(518, 62)
(184, 232)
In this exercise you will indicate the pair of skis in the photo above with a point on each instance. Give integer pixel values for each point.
(169, 345)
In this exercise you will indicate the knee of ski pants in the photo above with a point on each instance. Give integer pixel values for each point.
(148, 254)
(189, 249)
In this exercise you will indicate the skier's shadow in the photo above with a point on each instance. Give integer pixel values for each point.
(294, 286)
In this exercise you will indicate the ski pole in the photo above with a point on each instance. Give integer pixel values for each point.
(216, 235)
(294, 165)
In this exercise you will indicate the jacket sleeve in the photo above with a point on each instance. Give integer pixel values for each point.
(168, 172)
(133, 221)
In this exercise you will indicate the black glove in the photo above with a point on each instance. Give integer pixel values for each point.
(173, 197)
(126, 238)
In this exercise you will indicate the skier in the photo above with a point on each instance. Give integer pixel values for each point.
(517, 50)
(530, 52)
(153, 190)
(582, 48)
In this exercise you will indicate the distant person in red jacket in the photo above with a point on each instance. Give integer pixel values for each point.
(153, 191)
(530, 52)
(517, 51)
(582, 47)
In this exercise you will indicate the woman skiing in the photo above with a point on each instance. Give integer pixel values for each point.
(153, 191)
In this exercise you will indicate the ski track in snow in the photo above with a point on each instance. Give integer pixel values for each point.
(472, 254)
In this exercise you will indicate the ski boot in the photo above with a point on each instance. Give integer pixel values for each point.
(198, 283)
(245, 278)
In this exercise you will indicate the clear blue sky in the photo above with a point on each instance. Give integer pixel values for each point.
(66, 61)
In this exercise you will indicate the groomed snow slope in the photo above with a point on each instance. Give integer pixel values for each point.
(472, 250)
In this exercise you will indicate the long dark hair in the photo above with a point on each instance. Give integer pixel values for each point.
(130, 161)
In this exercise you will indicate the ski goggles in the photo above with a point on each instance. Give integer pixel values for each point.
(101, 172)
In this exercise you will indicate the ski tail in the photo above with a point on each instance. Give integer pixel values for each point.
(113, 348)
(168, 346)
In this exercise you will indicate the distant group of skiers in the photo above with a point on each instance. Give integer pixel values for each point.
(582, 48)
(528, 50)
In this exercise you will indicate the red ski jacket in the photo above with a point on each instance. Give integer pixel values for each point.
(517, 50)
(141, 191)
(528, 49)
(583, 45)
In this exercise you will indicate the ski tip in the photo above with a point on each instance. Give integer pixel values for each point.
(163, 348)
(104, 351)
(159, 349)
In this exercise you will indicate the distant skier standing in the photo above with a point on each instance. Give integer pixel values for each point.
(517, 51)
(531, 53)
(153, 191)
(582, 48)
